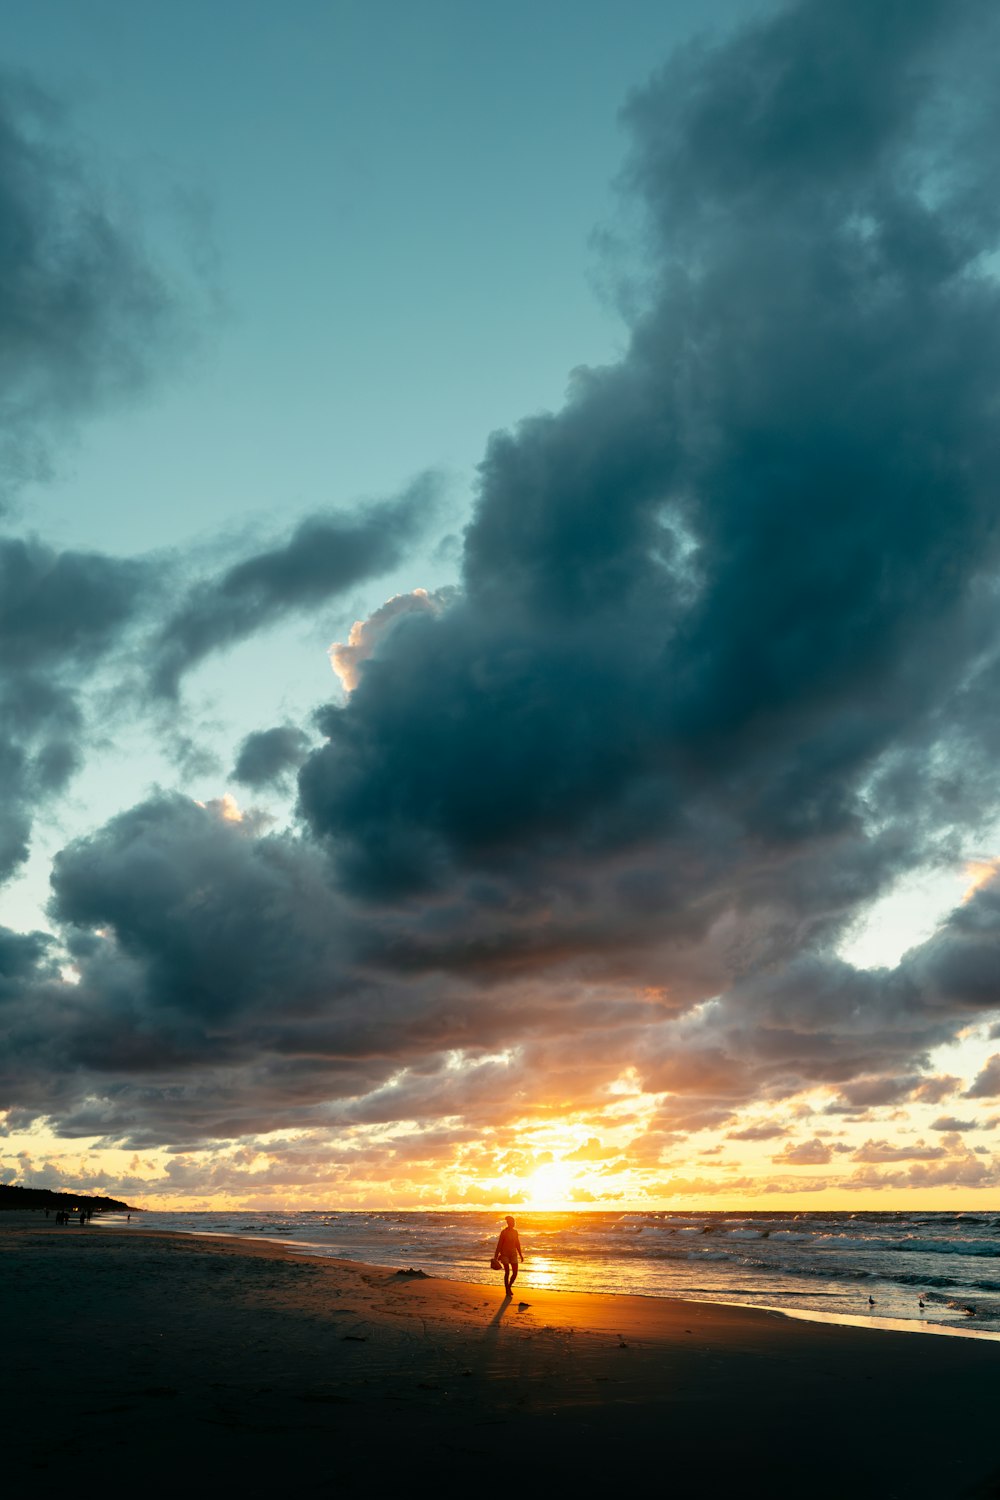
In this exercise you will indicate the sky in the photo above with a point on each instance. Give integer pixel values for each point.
(499, 619)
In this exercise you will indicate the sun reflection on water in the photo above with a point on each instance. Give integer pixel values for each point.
(542, 1271)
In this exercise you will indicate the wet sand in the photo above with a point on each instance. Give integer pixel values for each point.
(171, 1360)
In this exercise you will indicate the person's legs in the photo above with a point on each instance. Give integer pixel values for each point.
(509, 1273)
(513, 1275)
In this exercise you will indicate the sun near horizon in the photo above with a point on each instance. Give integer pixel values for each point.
(836, 1149)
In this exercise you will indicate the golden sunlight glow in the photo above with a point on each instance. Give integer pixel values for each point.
(342, 658)
(225, 807)
(346, 660)
(622, 1153)
(980, 873)
(228, 810)
(550, 1186)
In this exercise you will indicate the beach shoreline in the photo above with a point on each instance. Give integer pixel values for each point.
(239, 1358)
(864, 1318)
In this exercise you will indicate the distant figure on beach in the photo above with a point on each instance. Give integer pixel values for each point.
(509, 1252)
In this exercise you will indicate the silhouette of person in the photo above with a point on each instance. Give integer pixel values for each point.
(508, 1251)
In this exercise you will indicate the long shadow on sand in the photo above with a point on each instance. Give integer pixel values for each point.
(498, 1316)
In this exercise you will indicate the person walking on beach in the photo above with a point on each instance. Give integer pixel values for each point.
(509, 1252)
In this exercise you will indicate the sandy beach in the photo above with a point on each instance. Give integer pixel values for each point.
(167, 1359)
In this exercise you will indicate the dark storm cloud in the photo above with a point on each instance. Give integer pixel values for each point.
(713, 609)
(60, 614)
(933, 1090)
(268, 755)
(325, 556)
(223, 988)
(817, 1021)
(84, 318)
(722, 668)
(868, 1093)
(84, 315)
(987, 1084)
(729, 612)
(200, 948)
(24, 958)
(959, 968)
(213, 913)
(62, 607)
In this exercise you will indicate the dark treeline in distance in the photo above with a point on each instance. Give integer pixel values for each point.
(12, 1196)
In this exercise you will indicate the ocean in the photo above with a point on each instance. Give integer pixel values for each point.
(817, 1264)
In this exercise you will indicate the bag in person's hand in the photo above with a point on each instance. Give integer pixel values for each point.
(495, 1264)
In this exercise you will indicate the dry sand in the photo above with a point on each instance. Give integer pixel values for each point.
(168, 1360)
